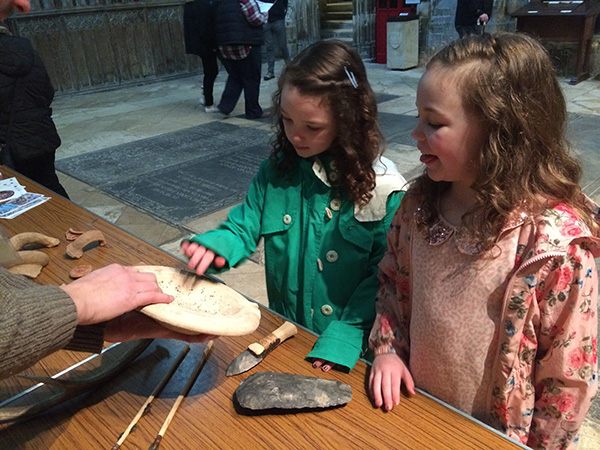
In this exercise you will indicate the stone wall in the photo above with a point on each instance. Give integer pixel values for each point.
(95, 44)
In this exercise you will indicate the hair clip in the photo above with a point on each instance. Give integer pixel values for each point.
(351, 77)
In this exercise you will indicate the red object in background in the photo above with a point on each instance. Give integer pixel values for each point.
(383, 10)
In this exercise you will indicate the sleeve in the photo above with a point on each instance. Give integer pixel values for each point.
(566, 372)
(390, 328)
(252, 13)
(486, 7)
(343, 340)
(34, 322)
(237, 237)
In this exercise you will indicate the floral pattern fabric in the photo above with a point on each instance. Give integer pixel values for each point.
(544, 376)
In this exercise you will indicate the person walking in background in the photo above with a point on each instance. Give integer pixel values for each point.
(28, 136)
(275, 36)
(239, 33)
(323, 202)
(199, 37)
(472, 15)
(489, 288)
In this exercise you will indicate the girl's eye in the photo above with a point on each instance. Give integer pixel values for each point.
(286, 119)
(434, 125)
(311, 128)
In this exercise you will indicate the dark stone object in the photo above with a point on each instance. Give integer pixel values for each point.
(274, 390)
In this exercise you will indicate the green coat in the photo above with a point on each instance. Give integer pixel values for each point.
(321, 253)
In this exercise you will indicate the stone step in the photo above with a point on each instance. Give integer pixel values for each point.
(341, 15)
(337, 24)
(338, 7)
(343, 35)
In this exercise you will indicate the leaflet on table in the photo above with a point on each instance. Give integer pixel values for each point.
(264, 6)
(10, 189)
(12, 208)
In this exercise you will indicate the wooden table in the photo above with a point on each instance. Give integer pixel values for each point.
(208, 418)
(569, 21)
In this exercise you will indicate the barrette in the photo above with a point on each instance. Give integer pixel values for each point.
(351, 77)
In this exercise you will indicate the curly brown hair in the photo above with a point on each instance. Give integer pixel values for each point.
(320, 70)
(508, 81)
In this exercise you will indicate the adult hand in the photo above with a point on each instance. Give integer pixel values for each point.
(135, 325)
(385, 380)
(483, 19)
(324, 365)
(201, 257)
(111, 291)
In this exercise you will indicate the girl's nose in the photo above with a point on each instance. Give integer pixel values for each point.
(416, 132)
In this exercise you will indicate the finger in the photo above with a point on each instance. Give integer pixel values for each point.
(196, 257)
(191, 249)
(149, 298)
(205, 262)
(184, 245)
(386, 391)
(396, 381)
(326, 368)
(376, 389)
(317, 363)
(220, 261)
(409, 382)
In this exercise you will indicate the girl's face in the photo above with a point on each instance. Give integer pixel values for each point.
(307, 121)
(448, 136)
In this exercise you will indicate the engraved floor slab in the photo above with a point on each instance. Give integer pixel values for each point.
(177, 176)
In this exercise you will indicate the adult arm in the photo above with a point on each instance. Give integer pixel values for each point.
(342, 341)
(252, 13)
(566, 362)
(34, 322)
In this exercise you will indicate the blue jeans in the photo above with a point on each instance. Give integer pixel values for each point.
(275, 39)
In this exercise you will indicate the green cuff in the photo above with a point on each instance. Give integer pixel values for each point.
(340, 344)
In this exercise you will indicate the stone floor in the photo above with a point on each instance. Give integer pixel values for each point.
(92, 121)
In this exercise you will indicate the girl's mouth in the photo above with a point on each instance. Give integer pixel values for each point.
(427, 159)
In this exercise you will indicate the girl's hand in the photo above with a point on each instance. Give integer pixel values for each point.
(385, 380)
(325, 366)
(201, 257)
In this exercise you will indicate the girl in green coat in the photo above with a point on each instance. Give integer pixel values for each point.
(322, 202)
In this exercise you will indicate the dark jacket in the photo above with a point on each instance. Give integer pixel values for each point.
(232, 27)
(468, 11)
(24, 80)
(198, 28)
(278, 10)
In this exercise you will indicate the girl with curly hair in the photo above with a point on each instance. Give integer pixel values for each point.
(323, 202)
(488, 296)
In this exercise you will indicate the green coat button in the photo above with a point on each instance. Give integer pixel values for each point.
(331, 256)
(326, 310)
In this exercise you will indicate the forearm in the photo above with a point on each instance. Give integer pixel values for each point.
(34, 322)
(252, 13)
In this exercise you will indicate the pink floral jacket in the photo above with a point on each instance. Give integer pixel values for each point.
(545, 373)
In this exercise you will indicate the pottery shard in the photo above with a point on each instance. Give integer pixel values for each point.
(268, 390)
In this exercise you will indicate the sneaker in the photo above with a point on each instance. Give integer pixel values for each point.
(268, 77)
(212, 109)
